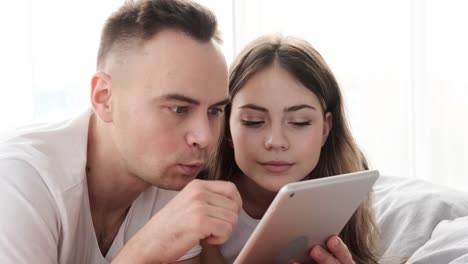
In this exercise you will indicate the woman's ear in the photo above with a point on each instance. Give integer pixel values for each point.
(327, 126)
(101, 94)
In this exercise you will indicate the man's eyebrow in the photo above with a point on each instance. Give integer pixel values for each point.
(179, 97)
(220, 103)
(254, 107)
(299, 107)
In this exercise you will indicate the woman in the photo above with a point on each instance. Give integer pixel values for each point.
(286, 123)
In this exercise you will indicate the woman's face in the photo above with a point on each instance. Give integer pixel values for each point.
(278, 128)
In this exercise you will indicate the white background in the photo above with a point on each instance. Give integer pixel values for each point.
(402, 66)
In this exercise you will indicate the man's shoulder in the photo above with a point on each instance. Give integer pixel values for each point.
(57, 151)
(42, 135)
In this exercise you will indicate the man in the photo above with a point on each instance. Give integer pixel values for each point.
(102, 187)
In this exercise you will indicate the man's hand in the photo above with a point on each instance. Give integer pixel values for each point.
(202, 210)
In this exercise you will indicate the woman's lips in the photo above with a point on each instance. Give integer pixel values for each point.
(276, 166)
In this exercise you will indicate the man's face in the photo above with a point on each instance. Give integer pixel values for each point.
(167, 101)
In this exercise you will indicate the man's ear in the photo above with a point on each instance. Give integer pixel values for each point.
(101, 93)
(327, 126)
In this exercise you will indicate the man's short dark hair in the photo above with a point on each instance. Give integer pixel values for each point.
(138, 21)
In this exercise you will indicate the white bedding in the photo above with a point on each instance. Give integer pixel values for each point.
(424, 222)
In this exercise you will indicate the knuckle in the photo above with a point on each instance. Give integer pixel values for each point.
(195, 183)
(226, 231)
(197, 222)
(234, 219)
(232, 187)
(238, 207)
(198, 207)
(197, 194)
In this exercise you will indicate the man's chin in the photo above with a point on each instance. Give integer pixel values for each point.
(177, 183)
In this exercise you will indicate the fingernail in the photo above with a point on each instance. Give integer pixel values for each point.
(334, 242)
(318, 253)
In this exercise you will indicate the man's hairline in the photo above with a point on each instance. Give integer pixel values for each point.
(136, 46)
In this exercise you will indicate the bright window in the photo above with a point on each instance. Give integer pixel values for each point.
(402, 66)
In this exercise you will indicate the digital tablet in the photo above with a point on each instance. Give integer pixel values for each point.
(304, 214)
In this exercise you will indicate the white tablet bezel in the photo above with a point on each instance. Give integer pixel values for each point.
(304, 214)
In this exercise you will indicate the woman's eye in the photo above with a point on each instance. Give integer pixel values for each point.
(179, 109)
(300, 124)
(252, 123)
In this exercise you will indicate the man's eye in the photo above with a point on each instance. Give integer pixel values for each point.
(215, 111)
(179, 109)
(252, 123)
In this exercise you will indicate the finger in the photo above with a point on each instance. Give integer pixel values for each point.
(203, 193)
(209, 220)
(339, 249)
(219, 200)
(222, 214)
(200, 190)
(217, 231)
(321, 256)
(225, 188)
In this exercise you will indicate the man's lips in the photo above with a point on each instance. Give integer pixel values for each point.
(276, 166)
(191, 169)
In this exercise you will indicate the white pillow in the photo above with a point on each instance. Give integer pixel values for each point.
(415, 216)
(448, 244)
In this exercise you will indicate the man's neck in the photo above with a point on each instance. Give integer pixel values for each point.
(111, 187)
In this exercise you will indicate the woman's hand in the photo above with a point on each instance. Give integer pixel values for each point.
(337, 252)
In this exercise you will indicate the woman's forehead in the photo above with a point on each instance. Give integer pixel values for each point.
(274, 89)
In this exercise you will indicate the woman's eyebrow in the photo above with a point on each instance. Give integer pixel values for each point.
(253, 107)
(299, 107)
(287, 109)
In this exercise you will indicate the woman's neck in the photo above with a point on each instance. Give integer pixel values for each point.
(255, 199)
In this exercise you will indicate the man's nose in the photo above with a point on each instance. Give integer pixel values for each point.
(200, 134)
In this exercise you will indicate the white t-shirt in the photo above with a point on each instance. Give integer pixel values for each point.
(44, 200)
(241, 233)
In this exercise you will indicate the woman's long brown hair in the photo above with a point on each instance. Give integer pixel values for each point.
(339, 155)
